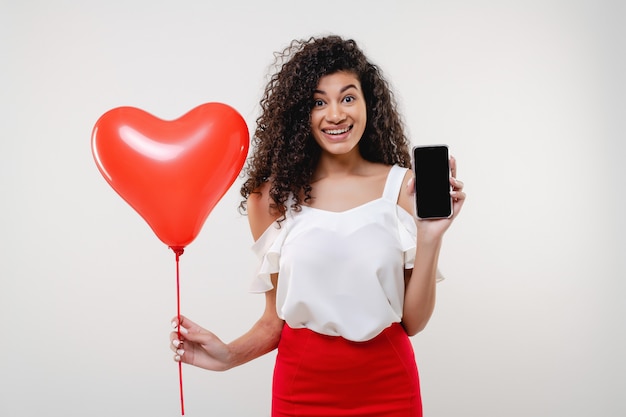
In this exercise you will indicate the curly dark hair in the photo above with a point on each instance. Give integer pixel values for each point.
(285, 151)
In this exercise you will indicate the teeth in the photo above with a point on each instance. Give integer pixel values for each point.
(337, 131)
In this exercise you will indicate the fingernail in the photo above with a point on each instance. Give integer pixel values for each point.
(174, 324)
(183, 330)
(176, 342)
(180, 352)
(177, 358)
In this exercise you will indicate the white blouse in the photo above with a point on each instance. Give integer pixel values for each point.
(341, 273)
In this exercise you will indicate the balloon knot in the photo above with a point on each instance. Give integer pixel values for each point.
(178, 250)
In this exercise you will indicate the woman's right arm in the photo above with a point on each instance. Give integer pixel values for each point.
(199, 347)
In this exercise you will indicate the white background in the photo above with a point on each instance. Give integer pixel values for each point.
(529, 95)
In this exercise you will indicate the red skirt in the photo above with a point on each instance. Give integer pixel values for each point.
(329, 376)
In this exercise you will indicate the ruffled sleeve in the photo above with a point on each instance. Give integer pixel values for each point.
(267, 249)
(408, 238)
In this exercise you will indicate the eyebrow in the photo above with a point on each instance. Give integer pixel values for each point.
(347, 87)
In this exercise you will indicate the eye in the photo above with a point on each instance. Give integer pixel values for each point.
(349, 99)
(318, 102)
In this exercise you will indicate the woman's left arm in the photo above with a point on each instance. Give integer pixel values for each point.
(420, 282)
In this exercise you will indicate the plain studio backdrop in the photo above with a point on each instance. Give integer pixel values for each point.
(529, 95)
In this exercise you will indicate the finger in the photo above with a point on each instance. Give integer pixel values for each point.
(178, 349)
(175, 342)
(457, 195)
(456, 184)
(459, 200)
(180, 356)
(185, 323)
(176, 319)
(193, 335)
(453, 166)
(410, 185)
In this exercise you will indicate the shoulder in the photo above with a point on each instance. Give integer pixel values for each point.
(407, 193)
(261, 213)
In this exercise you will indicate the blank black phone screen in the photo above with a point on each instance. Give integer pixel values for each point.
(432, 181)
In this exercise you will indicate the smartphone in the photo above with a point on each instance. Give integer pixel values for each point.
(431, 165)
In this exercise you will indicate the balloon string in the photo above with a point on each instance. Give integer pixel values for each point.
(179, 251)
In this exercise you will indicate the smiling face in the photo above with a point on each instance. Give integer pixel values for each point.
(339, 113)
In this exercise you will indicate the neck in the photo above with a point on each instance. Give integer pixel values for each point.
(339, 165)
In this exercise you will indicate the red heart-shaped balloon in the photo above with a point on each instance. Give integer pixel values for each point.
(172, 173)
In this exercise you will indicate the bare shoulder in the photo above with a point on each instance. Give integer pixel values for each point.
(260, 212)
(405, 199)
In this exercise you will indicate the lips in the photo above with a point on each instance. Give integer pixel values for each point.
(335, 132)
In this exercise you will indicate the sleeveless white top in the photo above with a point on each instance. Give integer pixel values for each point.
(341, 273)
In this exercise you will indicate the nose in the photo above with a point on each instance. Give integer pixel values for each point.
(335, 114)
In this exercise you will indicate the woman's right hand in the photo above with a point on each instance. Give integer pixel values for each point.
(197, 346)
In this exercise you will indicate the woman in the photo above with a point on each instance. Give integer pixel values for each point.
(347, 271)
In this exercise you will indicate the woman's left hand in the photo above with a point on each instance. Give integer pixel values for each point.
(435, 228)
